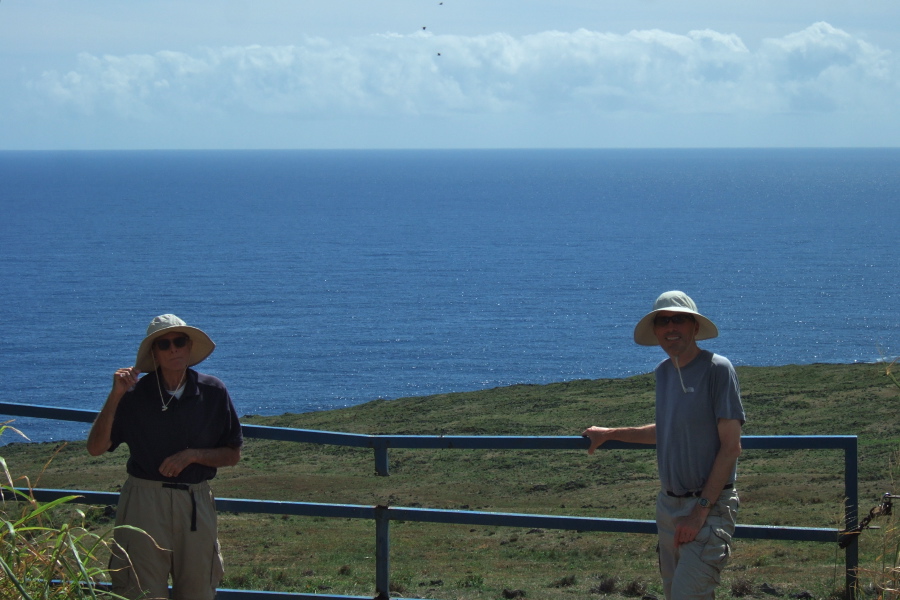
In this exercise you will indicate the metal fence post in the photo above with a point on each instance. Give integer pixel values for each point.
(382, 554)
(851, 518)
(381, 458)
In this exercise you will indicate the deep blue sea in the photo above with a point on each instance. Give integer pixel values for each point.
(332, 278)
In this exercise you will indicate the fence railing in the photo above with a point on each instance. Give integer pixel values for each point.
(383, 515)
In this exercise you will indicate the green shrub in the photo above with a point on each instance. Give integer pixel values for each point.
(46, 552)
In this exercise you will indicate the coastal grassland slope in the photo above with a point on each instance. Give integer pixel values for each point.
(777, 487)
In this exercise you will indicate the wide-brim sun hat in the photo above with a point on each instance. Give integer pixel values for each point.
(201, 344)
(673, 301)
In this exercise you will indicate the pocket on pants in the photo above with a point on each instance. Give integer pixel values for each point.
(217, 570)
(716, 545)
(119, 565)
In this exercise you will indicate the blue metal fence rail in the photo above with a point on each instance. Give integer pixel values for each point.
(382, 515)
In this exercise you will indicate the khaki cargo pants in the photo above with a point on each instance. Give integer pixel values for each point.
(172, 548)
(693, 571)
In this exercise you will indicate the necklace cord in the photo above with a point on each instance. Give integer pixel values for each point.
(680, 378)
(165, 403)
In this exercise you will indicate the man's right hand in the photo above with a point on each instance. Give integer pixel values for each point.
(597, 436)
(124, 380)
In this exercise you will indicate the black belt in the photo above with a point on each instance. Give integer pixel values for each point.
(695, 494)
(185, 487)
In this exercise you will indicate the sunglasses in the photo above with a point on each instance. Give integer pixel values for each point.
(676, 319)
(179, 342)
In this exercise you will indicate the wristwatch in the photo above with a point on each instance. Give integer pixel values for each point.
(704, 503)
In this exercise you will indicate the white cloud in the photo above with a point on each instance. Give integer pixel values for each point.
(823, 69)
(819, 69)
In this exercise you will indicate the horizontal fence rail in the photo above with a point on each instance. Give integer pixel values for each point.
(382, 515)
(454, 517)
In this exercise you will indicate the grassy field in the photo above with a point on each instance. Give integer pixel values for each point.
(444, 562)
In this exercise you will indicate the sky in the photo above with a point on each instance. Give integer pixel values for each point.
(359, 74)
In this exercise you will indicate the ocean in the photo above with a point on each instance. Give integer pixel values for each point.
(333, 278)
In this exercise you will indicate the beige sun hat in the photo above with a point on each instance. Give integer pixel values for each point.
(673, 301)
(202, 346)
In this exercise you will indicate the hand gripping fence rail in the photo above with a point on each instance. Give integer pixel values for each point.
(382, 515)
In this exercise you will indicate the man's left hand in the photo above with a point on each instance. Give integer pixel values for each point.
(175, 464)
(687, 528)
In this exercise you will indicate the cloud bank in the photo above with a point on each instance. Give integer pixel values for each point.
(821, 69)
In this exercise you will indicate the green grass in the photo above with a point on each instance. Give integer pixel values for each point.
(780, 487)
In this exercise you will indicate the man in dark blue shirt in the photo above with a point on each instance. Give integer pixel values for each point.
(180, 427)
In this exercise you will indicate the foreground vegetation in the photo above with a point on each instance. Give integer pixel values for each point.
(46, 552)
(332, 556)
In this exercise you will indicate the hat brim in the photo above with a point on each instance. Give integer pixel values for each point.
(201, 347)
(644, 335)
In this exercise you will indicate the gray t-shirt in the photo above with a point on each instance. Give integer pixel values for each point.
(687, 436)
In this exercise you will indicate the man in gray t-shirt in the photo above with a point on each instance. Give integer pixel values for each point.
(697, 433)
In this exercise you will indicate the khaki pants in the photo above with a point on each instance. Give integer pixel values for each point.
(693, 571)
(191, 558)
